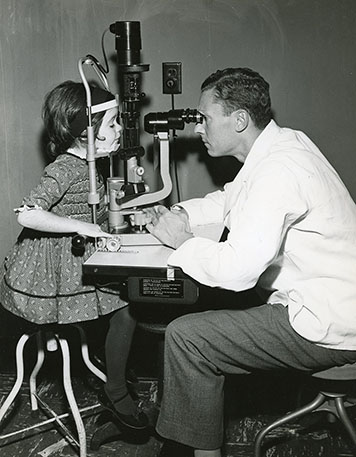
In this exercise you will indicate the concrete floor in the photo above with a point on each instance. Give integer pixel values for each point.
(251, 403)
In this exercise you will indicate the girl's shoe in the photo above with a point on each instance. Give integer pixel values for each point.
(133, 422)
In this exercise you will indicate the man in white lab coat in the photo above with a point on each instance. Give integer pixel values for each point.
(292, 233)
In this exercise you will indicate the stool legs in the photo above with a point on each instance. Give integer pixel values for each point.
(35, 371)
(160, 357)
(53, 342)
(316, 404)
(85, 355)
(319, 400)
(344, 418)
(70, 397)
(19, 375)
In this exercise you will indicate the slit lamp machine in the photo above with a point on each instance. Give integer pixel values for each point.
(128, 194)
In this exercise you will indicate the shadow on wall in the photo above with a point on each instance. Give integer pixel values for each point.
(43, 142)
(221, 169)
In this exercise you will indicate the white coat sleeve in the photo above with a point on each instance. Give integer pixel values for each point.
(269, 203)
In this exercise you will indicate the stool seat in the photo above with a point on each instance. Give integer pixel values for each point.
(343, 373)
(51, 338)
(153, 327)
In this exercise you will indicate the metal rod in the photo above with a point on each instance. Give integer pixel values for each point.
(46, 422)
(66, 431)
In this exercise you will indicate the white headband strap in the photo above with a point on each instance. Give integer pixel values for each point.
(104, 106)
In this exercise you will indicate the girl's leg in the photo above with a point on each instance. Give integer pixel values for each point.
(117, 349)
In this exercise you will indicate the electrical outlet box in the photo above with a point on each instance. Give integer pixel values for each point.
(172, 77)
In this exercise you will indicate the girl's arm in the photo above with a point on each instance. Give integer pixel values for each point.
(44, 221)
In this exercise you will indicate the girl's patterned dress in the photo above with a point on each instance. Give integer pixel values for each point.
(43, 281)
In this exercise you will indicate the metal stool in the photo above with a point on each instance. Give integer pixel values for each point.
(157, 329)
(333, 401)
(53, 339)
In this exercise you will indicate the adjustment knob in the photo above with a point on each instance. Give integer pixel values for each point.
(78, 242)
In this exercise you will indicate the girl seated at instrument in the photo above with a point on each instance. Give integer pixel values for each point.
(43, 280)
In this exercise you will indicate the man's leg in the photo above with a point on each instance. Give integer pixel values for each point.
(200, 348)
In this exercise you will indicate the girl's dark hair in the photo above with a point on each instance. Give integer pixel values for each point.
(241, 88)
(61, 106)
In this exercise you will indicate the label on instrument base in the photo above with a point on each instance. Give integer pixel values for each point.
(162, 288)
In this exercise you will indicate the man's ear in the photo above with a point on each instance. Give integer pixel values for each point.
(242, 119)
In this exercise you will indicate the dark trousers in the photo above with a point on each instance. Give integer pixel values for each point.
(201, 348)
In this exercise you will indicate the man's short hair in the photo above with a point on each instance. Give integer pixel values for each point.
(241, 88)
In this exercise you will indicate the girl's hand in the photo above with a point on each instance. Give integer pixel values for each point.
(91, 230)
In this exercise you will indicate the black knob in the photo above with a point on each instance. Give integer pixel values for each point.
(78, 242)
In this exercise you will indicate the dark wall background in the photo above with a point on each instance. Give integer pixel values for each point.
(304, 48)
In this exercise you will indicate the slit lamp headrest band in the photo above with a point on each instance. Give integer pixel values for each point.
(102, 100)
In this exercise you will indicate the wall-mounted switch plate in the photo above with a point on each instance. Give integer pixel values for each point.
(172, 77)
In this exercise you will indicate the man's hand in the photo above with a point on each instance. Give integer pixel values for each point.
(170, 227)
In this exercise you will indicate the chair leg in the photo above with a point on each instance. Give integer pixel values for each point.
(344, 418)
(85, 355)
(71, 399)
(319, 400)
(36, 369)
(19, 376)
